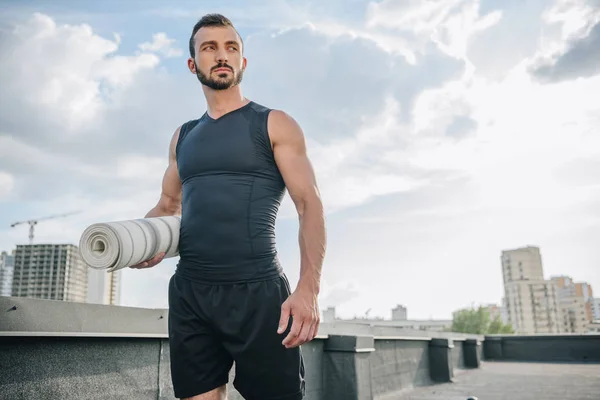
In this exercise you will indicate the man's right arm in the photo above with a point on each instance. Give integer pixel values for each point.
(169, 202)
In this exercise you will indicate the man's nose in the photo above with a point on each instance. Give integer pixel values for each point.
(221, 56)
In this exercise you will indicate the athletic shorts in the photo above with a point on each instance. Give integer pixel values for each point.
(211, 326)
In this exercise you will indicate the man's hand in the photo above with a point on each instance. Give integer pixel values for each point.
(149, 263)
(302, 306)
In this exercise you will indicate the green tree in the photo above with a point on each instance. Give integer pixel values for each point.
(496, 327)
(478, 321)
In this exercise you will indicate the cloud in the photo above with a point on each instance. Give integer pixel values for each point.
(450, 23)
(577, 55)
(162, 44)
(359, 99)
(580, 59)
(96, 112)
(6, 184)
(339, 293)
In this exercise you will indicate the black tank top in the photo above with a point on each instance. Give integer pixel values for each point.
(232, 190)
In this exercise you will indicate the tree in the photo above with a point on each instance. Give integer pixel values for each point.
(497, 326)
(478, 321)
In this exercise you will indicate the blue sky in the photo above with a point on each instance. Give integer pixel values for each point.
(439, 132)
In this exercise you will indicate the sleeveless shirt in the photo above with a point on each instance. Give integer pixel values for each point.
(231, 194)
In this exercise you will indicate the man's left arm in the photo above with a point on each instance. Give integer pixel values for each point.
(289, 147)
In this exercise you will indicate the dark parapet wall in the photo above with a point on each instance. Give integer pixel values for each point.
(398, 364)
(543, 348)
(81, 367)
(59, 350)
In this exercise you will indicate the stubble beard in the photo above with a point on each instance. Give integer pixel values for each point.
(221, 83)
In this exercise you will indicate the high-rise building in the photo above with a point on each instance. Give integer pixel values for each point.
(104, 287)
(596, 307)
(531, 301)
(399, 313)
(522, 264)
(50, 271)
(576, 303)
(584, 290)
(7, 263)
(533, 307)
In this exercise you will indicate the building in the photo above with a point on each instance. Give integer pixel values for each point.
(329, 314)
(522, 264)
(531, 301)
(576, 302)
(50, 271)
(348, 325)
(533, 307)
(584, 290)
(399, 313)
(104, 287)
(596, 308)
(594, 327)
(7, 262)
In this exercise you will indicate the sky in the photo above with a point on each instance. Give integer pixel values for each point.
(441, 133)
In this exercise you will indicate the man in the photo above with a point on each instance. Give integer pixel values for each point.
(229, 299)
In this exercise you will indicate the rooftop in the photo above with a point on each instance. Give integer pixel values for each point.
(67, 350)
(517, 381)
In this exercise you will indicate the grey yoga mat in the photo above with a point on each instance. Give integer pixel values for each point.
(120, 244)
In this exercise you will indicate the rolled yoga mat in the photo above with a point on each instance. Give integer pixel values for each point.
(121, 244)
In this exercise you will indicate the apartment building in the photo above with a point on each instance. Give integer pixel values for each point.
(7, 263)
(50, 271)
(104, 287)
(399, 313)
(533, 307)
(576, 302)
(596, 308)
(531, 301)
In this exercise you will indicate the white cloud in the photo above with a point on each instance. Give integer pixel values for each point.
(78, 69)
(162, 44)
(449, 23)
(6, 184)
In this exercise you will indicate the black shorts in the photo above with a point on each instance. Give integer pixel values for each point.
(211, 326)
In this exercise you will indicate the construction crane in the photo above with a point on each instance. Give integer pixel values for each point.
(33, 222)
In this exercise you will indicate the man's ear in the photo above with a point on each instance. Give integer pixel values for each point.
(191, 65)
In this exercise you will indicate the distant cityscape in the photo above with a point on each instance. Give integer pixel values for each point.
(56, 272)
(531, 303)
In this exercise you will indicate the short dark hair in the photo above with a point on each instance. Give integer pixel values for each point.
(210, 20)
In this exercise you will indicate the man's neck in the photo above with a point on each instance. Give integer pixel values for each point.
(220, 102)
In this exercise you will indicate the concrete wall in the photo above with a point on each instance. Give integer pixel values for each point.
(398, 364)
(543, 348)
(60, 350)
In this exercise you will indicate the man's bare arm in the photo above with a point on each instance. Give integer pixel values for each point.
(169, 202)
(291, 157)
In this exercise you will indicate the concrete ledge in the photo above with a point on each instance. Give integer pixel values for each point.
(352, 344)
(21, 314)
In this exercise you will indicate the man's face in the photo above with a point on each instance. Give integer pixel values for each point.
(219, 63)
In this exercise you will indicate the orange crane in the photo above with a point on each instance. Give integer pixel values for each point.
(33, 222)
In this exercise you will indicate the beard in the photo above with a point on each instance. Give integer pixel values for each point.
(223, 81)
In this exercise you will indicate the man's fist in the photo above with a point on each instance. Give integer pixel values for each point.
(149, 263)
(303, 307)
